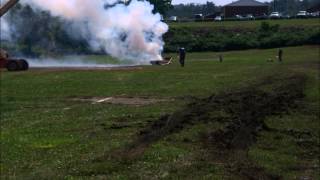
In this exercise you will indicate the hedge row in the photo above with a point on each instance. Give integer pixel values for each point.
(266, 36)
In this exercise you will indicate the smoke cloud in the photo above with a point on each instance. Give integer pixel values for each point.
(4, 30)
(129, 32)
(71, 62)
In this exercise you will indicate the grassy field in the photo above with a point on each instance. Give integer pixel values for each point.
(51, 130)
(248, 24)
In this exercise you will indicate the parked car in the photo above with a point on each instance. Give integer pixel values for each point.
(286, 16)
(239, 17)
(315, 14)
(275, 15)
(173, 18)
(198, 17)
(302, 14)
(218, 18)
(250, 17)
(264, 16)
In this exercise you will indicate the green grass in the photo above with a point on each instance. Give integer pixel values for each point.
(45, 134)
(248, 24)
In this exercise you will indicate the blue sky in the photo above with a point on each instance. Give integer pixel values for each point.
(217, 2)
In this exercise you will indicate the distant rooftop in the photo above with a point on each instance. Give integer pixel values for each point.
(315, 8)
(246, 3)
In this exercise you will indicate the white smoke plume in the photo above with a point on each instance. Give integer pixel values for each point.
(4, 30)
(71, 62)
(129, 32)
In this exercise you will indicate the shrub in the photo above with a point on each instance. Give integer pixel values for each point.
(215, 39)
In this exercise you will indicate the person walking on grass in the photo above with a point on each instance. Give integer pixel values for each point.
(182, 56)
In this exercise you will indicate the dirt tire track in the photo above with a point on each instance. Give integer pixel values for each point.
(246, 108)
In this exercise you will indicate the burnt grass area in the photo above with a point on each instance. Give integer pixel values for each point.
(241, 113)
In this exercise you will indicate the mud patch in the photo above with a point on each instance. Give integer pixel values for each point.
(241, 114)
(131, 101)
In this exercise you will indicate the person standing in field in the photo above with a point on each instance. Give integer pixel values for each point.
(220, 58)
(280, 53)
(182, 56)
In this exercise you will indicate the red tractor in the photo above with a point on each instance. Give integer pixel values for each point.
(5, 61)
(12, 64)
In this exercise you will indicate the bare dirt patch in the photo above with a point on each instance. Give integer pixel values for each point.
(131, 101)
(241, 114)
(244, 111)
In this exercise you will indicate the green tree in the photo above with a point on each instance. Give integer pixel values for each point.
(161, 6)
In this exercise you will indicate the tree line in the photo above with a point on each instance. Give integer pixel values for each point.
(289, 7)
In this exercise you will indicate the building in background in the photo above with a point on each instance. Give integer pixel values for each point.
(315, 10)
(244, 8)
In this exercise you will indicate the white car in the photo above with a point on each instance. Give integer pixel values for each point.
(250, 17)
(275, 15)
(218, 18)
(173, 18)
(315, 14)
(302, 14)
(239, 17)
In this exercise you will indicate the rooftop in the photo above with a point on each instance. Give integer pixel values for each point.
(246, 3)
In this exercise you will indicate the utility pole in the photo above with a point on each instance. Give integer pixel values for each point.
(7, 6)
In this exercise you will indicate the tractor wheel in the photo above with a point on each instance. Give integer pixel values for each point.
(25, 65)
(12, 66)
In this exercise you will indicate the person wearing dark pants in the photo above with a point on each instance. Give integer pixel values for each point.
(182, 56)
(280, 53)
(220, 58)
